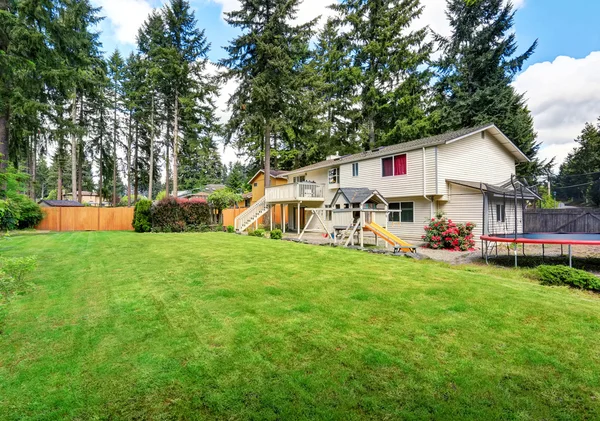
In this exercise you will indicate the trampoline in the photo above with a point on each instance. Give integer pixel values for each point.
(568, 239)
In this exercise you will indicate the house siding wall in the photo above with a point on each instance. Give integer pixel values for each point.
(464, 205)
(412, 231)
(508, 226)
(474, 159)
(369, 175)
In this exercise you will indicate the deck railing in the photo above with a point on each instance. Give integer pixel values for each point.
(295, 192)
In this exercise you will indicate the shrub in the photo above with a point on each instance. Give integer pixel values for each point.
(30, 213)
(564, 275)
(167, 216)
(259, 232)
(195, 213)
(142, 215)
(9, 215)
(161, 195)
(276, 234)
(443, 234)
(13, 274)
(230, 229)
(123, 201)
(178, 215)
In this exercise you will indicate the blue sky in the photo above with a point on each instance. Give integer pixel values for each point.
(561, 80)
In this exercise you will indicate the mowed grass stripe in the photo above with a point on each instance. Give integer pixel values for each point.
(218, 326)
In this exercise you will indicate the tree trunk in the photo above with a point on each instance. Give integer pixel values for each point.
(74, 148)
(59, 186)
(3, 141)
(135, 165)
(371, 132)
(80, 177)
(151, 172)
(34, 164)
(175, 143)
(100, 170)
(114, 192)
(129, 163)
(167, 164)
(267, 155)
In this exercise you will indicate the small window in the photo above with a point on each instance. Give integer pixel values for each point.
(394, 215)
(401, 212)
(355, 169)
(393, 166)
(299, 179)
(407, 212)
(328, 213)
(247, 203)
(255, 184)
(334, 176)
(500, 213)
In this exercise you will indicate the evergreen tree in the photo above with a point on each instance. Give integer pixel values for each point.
(115, 74)
(266, 59)
(387, 59)
(475, 74)
(579, 177)
(237, 178)
(188, 86)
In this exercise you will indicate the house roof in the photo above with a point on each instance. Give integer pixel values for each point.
(499, 190)
(274, 174)
(247, 195)
(357, 195)
(441, 139)
(62, 203)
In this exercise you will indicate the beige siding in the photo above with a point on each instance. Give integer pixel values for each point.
(369, 175)
(412, 231)
(430, 171)
(464, 205)
(474, 159)
(507, 226)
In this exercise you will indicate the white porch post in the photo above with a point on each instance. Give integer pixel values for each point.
(283, 217)
(271, 216)
(298, 220)
(362, 226)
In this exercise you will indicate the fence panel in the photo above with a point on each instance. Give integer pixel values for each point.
(576, 220)
(87, 219)
(229, 215)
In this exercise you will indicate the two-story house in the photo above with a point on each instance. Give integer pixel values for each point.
(466, 174)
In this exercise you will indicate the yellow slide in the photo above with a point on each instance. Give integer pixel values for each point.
(390, 238)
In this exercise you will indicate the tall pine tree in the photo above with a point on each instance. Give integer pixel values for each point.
(266, 59)
(388, 59)
(478, 64)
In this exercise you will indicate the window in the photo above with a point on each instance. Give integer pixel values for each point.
(299, 179)
(393, 166)
(355, 169)
(255, 184)
(334, 176)
(500, 213)
(401, 212)
(328, 213)
(247, 203)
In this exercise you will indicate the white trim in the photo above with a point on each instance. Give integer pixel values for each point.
(400, 212)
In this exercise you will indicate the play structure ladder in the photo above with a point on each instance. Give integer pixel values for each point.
(251, 215)
(390, 238)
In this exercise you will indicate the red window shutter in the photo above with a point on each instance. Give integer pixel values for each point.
(400, 165)
(388, 167)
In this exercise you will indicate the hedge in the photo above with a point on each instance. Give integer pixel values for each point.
(564, 275)
(172, 215)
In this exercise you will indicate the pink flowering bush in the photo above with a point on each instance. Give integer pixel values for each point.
(443, 234)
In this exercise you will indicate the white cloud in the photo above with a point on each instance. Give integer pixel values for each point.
(563, 95)
(125, 17)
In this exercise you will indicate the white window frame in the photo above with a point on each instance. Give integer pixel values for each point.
(399, 212)
(355, 169)
(393, 165)
(500, 215)
(336, 171)
(299, 179)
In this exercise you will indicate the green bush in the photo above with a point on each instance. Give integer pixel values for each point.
(181, 215)
(276, 234)
(259, 232)
(13, 274)
(30, 213)
(9, 215)
(230, 229)
(142, 215)
(564, 275)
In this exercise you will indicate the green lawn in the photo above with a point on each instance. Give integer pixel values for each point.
(205, 326)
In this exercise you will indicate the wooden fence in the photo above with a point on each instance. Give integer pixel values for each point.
(579, 220)
(87, 219)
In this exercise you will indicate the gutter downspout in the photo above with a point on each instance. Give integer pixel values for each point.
(425, 187)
